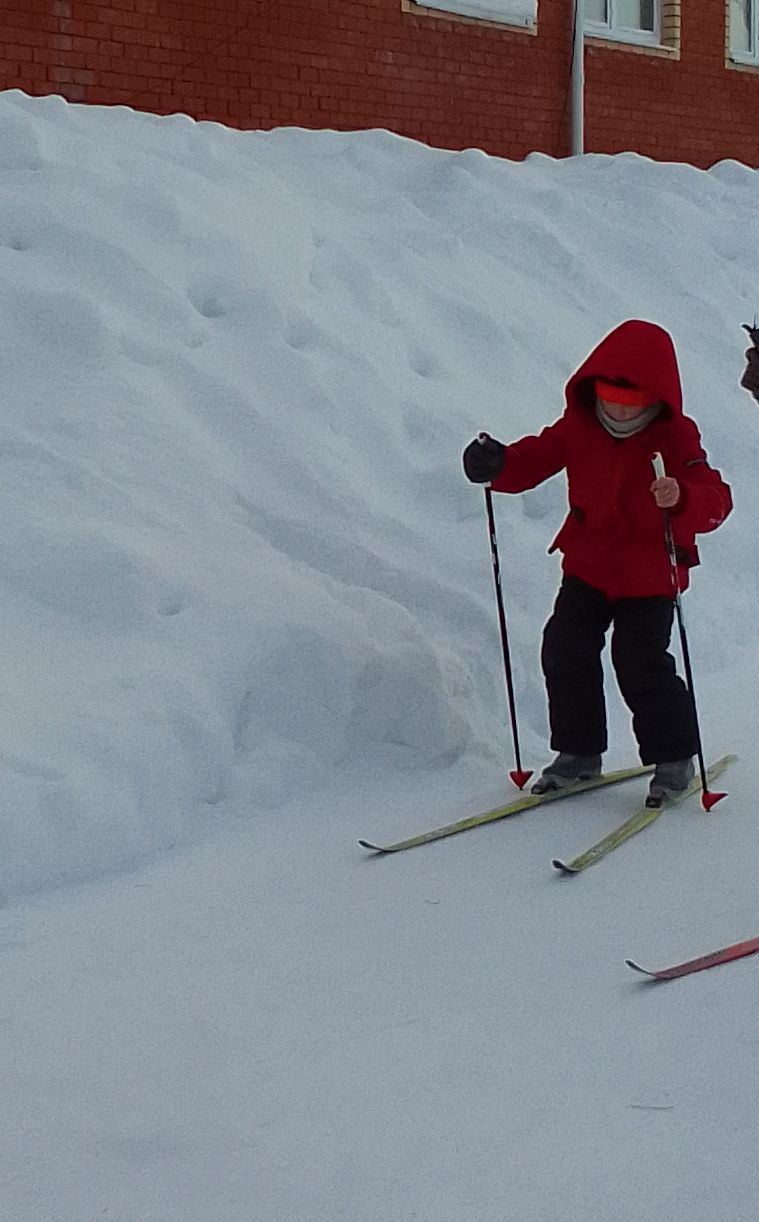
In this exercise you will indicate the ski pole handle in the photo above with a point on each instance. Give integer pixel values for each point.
(660, 472)
(490, 448)
(482, 440)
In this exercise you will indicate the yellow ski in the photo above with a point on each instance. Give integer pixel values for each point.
(636, 823)
(525, 802)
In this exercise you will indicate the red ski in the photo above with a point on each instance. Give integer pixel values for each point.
(738, 950)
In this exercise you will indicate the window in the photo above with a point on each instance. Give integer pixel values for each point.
(744, 31)
(626, 20)
(510, 12)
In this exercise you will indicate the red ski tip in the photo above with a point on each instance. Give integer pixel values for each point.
(708, 800)
(520, 778)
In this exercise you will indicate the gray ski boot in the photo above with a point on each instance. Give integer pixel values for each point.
(566, 770)
(669, 780)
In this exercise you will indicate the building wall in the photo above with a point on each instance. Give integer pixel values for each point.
(696, 107)
(384, 63)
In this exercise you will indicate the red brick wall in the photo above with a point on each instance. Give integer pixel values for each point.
(367, 63)
(695, 109)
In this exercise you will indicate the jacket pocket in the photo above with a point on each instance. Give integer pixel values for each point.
(571, 528)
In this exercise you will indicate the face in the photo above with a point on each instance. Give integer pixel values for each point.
(619, 411)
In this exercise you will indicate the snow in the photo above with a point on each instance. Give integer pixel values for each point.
(248, 617)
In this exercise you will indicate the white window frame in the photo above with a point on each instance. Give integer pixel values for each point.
(500, 11)
(746, 57)
(621, 33)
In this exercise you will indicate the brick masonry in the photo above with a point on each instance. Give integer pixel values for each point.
(384, 63)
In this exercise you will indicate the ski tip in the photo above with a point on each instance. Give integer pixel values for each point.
(563, 867)
(373, 848)
(520, 777)
(642, 970)
(708, 799)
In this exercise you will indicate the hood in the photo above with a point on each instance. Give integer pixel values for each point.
(640, 351)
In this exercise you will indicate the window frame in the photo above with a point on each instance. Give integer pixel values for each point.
(749, 58)
(481, 12)
(614, 32)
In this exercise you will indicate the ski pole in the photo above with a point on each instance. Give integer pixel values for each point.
(708, 799)
(518, 775)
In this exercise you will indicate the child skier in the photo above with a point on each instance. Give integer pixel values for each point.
(623, 405)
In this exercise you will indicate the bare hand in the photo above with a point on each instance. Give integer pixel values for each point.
(666, 491)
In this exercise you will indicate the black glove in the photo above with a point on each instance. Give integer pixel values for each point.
(484, 458)
(750, 379)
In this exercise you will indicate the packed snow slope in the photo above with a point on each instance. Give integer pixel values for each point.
(248, 616)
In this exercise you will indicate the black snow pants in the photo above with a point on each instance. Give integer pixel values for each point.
(573, 639)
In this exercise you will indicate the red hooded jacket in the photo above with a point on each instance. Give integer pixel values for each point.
(613, 537)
